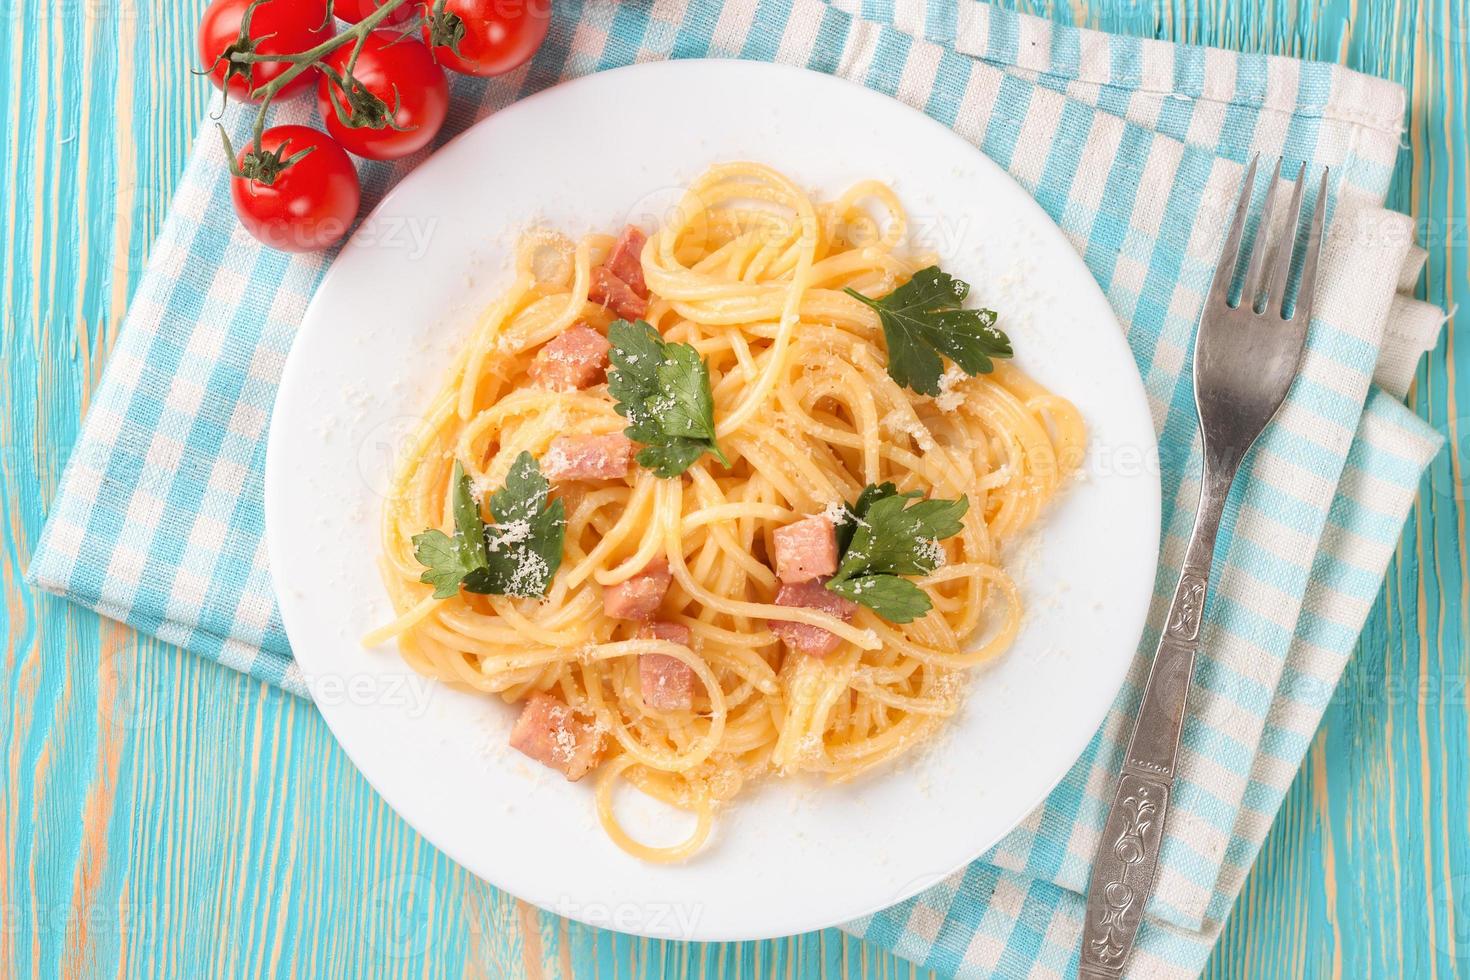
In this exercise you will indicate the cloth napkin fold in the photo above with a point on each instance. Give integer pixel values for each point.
(1135, 148)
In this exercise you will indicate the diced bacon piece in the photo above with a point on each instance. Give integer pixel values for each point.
(661, 630)
(552, 734)
(805, 550)
(639, 597)
(610, 291)
(626, 260)
(576, 358)
(604, 457)
(811, 640)
(667, 682)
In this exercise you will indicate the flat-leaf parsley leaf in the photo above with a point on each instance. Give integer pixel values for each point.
(516, 556)
(922, 319)
(886, 536)
(663, 390)
(857, 511)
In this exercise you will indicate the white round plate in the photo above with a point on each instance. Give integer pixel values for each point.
(789, 855)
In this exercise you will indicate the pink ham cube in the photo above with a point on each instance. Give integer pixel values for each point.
(805, 550)
(626, 260)
(639, 597)
(811, 640)
(552, 734)
(667, 682)
(601, 457)
(610, 291)
(661, 630)
(574, 359)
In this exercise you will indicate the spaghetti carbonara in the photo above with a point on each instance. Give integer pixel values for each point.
(723, 502)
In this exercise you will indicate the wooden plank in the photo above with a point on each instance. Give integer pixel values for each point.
(159, 814)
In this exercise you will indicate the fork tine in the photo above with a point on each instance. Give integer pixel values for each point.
(1225, 268)
(1276, 288)
(1307, 291)
(1252, 287)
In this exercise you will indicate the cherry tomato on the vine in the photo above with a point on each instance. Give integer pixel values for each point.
(304, 206)
(487, 37)
(281, 27)
(399, 71)
(354, 11)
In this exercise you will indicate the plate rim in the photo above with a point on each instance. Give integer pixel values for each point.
(1133, 388)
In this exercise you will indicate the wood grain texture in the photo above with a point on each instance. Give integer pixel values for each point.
(163, 815)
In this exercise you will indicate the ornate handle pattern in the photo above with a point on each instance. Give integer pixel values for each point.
(1128, 853)
(1123, 874)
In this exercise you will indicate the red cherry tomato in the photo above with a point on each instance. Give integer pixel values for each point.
(397, 69)
(282, 26)
(353, 11)
(310, 204)
(499, 35)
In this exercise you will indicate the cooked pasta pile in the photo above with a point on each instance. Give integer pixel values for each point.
(751, 272)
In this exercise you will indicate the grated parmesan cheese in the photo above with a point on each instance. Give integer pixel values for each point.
(835, 513)
(931, 552)
(950, 396)
(900, 422)
(480, 488)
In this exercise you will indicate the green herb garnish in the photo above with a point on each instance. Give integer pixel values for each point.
(922, 319)
(516, 556)
(663, 391)
(885, 537)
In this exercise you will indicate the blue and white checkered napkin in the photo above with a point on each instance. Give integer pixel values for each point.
(1135, 149)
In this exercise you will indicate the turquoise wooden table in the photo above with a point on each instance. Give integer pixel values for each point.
(161, 814)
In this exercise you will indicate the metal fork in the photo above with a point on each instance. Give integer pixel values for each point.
(1245, 358)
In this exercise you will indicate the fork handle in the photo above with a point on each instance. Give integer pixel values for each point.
(1128, 852)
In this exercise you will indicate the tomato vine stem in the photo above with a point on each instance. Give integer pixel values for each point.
(243, 53)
